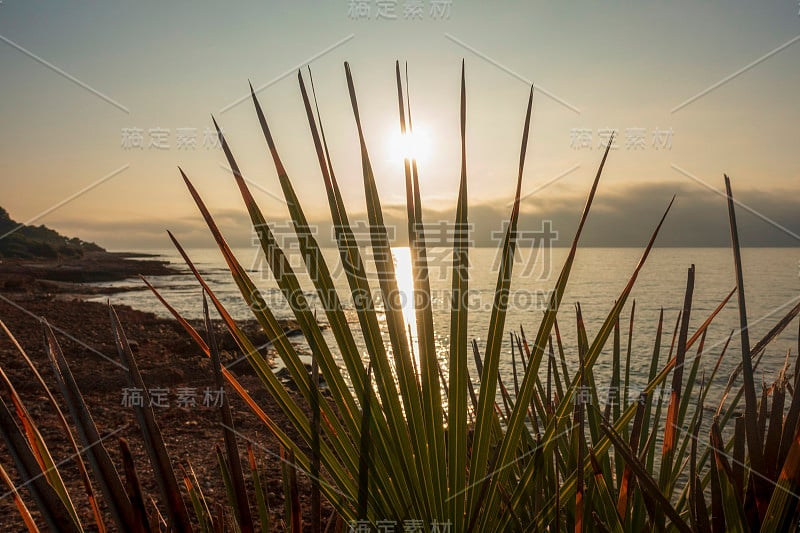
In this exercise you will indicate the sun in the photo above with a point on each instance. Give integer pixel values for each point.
(410, 145)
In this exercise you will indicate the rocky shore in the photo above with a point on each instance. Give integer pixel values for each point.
(31, 290)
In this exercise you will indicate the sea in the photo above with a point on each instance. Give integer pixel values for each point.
(596, 281)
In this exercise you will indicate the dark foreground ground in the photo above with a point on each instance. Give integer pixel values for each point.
(169, 360)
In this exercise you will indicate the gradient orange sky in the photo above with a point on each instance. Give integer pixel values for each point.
(694, 90)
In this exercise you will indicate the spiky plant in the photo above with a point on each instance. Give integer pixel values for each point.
(497, 470)
(395, 443)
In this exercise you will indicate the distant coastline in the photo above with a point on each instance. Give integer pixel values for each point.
(31, 255)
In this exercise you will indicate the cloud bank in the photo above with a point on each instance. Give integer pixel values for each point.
(621, 216)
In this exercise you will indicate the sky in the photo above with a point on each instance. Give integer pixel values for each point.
(102, 101)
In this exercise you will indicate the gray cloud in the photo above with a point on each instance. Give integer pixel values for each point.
(621, 216)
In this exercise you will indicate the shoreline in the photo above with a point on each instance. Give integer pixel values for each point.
(92, 267)
(168, 359)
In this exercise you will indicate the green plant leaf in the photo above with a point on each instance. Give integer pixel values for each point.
(153, 439)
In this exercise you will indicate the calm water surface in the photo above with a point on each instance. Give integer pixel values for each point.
(599, 275)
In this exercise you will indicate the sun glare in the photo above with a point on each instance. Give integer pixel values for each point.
(411, 145)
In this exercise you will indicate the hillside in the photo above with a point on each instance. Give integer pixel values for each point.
(38, 242)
